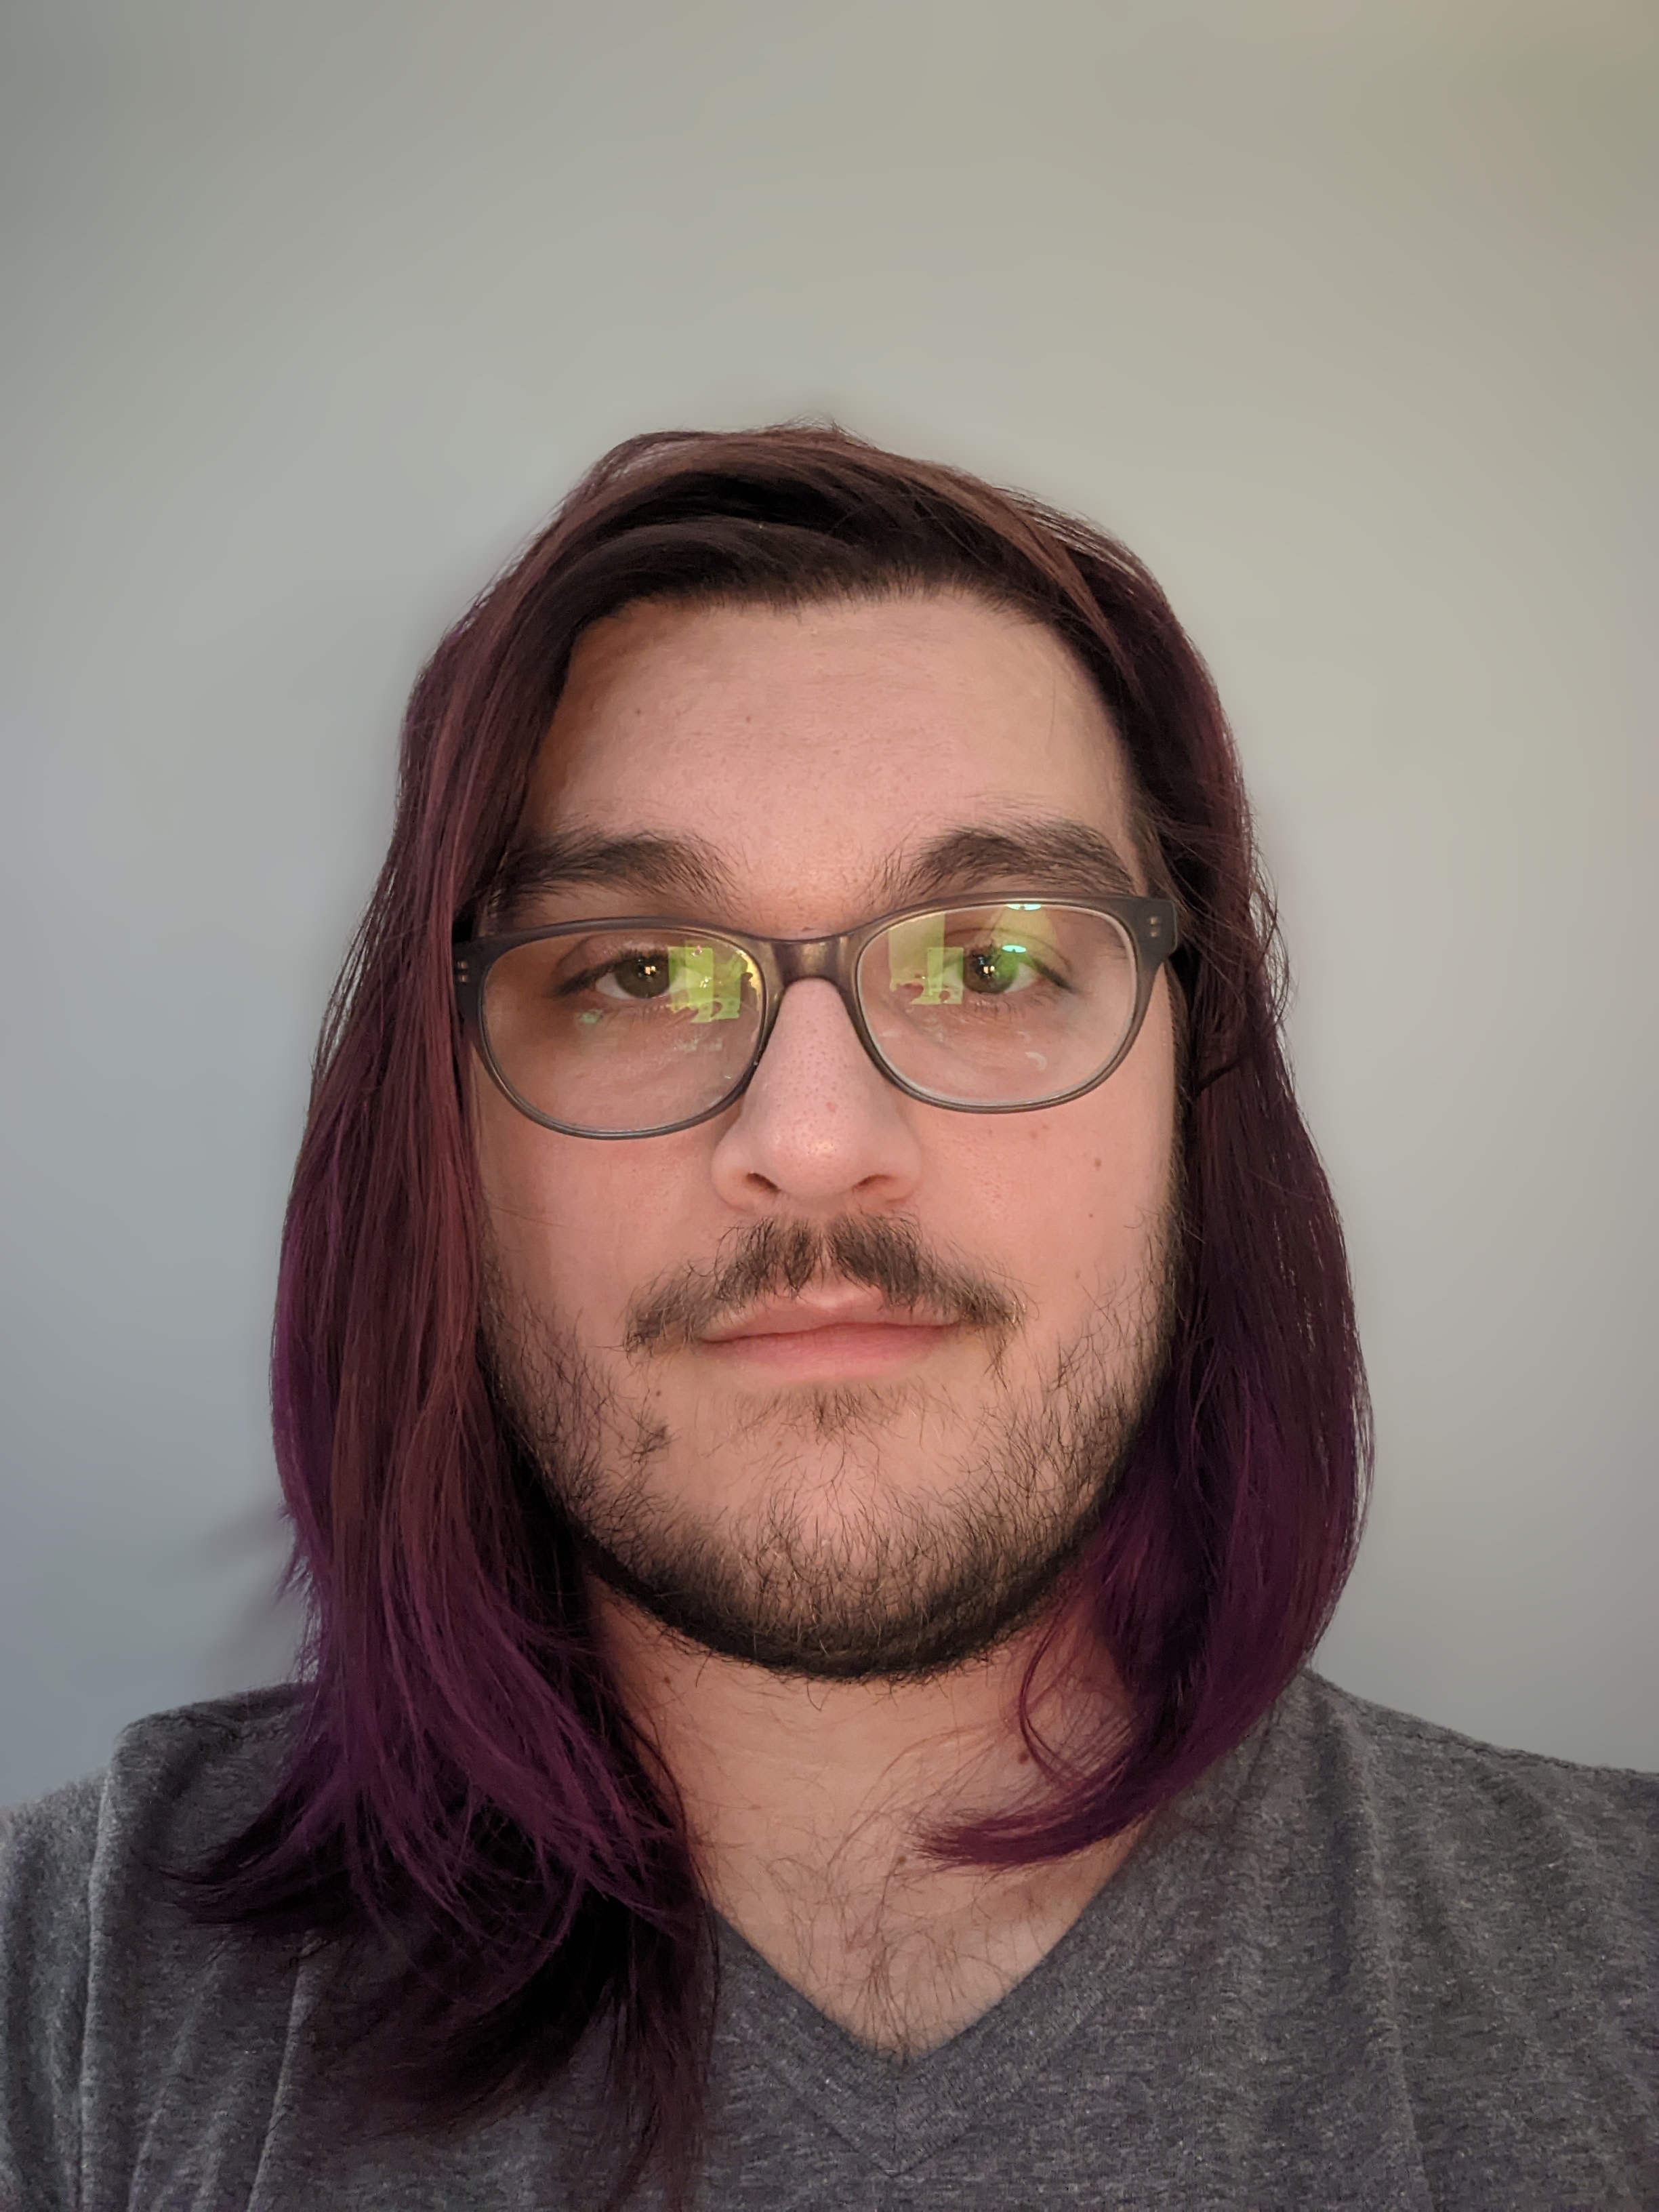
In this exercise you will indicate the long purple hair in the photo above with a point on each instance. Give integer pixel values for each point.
(465, 1792)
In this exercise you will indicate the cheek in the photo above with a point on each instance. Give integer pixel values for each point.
(551, 1216)
(1086, 1208)
(1072, 1201)
(530, 1196)
(577, 1227)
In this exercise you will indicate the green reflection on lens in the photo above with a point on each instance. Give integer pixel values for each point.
(709, 977)
(919, 960)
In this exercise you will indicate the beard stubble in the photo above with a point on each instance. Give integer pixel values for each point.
(835, 1570)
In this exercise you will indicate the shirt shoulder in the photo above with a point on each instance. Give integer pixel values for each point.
(1469, 1847)
(177, 1784)
(83, 1893)
(1434, 1797)
(1500, 1909)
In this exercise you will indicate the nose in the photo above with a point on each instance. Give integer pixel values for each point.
(819, 1127)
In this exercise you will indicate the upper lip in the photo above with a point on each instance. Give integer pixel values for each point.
(821, 1310)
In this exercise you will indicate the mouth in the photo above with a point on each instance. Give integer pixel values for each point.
(832, 1335)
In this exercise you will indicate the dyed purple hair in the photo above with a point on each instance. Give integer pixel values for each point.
(465, 1794)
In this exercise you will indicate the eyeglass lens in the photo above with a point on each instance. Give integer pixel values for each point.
(620, 1030)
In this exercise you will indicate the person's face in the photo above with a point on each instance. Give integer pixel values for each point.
(895, 1484)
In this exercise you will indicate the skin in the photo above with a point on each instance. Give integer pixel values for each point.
(809, 748)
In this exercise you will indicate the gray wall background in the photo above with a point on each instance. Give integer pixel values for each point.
(1339, 313)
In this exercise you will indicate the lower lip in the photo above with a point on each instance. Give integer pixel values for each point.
(843, 1350)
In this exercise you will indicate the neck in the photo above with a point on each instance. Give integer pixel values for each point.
(809, 1806)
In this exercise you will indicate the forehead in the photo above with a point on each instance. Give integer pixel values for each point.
(811, 752)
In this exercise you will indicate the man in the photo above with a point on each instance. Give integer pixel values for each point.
(816, 1388)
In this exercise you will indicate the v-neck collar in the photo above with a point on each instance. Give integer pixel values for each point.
(896, 2113)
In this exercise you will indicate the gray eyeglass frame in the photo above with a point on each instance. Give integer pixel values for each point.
(1153, 927)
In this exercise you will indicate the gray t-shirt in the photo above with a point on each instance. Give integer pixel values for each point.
(1366, 1963)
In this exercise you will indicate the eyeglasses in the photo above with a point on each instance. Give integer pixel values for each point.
(637, 1026)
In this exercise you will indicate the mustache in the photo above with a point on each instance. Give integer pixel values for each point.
(775, 1259)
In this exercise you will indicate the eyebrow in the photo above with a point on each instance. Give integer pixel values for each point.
(1049, 854)
(683, 870)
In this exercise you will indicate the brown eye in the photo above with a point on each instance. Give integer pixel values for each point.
(991, 970)
(637, 976)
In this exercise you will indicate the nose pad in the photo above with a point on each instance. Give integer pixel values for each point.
(819, 1121)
